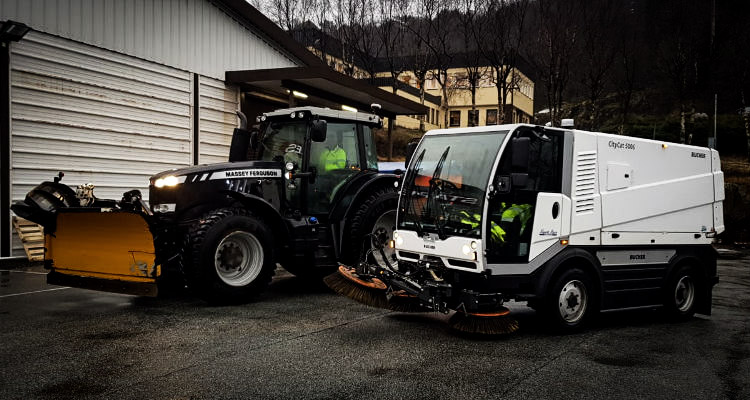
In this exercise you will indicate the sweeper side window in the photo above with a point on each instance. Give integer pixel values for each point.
(511, 212)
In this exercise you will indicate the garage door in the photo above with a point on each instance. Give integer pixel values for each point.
(99, 116)
(217, 105)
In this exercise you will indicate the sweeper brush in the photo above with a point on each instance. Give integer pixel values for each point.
(404, 302)
(485, 324)
(369, 291)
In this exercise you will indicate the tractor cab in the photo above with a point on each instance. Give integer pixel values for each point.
(322, 151)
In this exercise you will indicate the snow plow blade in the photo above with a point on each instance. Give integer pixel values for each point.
(107, 251)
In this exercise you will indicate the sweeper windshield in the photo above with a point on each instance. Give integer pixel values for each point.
(444, 189)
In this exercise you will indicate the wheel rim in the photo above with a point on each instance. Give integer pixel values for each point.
(382, 232)
(684, 293)
(573, 301)
(238, 258)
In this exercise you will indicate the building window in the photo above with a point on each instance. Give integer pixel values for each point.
(491, 117)
(473, 117)
(455, 118)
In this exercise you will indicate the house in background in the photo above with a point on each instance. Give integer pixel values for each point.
(518, 107)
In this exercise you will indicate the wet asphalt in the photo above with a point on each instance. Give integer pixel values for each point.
(302, 341)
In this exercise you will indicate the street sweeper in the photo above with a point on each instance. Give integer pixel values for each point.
(570, 221)
(301, 188)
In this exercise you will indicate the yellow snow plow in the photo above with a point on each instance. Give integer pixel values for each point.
(109, 251)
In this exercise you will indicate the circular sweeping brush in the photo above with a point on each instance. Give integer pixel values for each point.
(487, 324)
(404, 302)
(368, 291)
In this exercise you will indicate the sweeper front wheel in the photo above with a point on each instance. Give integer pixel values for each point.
(229, 256)
(570, 301)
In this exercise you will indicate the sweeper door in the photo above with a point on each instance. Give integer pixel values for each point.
(109, 251)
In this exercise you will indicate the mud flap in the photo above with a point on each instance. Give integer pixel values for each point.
(108, 251)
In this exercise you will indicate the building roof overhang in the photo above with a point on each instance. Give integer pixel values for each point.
(324, 84)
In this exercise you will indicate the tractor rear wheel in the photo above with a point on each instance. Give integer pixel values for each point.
(372, 226)
(229, 256)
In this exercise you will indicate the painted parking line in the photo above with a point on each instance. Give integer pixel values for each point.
(23, 272)
(36, 291)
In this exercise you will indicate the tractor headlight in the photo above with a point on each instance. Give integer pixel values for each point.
(167, 181)
(164, 208)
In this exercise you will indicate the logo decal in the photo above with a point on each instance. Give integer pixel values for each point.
(548, 232)
(247, 173)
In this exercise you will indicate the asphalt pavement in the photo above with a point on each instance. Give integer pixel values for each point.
(301, 341)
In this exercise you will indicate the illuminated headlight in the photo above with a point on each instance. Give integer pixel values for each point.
(167, 181)
(292, 115)
(473, 245)
(399, 241)
(263, 117)
(164, 208)
(300, 114)
(289, 166)
(466, 249)
(288, 175)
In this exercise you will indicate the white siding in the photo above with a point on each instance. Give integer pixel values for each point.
(193, 35)
(99, 116)
(217, 105)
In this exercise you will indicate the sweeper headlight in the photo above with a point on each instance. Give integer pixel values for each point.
(168, 181)
(398, 240)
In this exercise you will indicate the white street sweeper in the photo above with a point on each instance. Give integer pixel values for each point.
(573, 222)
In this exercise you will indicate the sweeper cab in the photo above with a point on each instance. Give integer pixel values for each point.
(570, 221)
(301, 188)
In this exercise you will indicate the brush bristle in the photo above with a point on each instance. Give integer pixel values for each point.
(480, 325)
(361, 294)
(406, 304)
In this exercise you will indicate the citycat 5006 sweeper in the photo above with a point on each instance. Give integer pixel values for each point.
(301, 188)
(572, 222)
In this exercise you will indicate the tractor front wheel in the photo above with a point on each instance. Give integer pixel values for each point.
(229, 256)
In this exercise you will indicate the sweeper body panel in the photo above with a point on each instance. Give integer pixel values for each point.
(301, 188)
(571, 221)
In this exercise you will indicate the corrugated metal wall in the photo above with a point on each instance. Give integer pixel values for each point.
(99, 116)
(193, 35)
(216, 109)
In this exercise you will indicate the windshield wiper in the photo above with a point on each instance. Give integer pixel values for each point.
(433, 184)
(408, 195)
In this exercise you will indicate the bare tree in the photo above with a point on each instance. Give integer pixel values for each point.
(473, 63)
(597, 50)
(551, 45)
(500, 38)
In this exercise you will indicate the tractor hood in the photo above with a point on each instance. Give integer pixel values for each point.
(228, 170)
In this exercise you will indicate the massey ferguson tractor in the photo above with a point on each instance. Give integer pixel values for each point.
(301, 189)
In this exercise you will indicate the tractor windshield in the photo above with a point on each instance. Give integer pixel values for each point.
(284, 141)
(444, 189)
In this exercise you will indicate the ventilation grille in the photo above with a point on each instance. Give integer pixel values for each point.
(585, 188)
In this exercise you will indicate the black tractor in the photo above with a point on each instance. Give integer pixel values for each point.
(301, 188)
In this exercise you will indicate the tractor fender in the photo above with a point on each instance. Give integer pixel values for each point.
(264, 208)
(567, 258)
(356, 191)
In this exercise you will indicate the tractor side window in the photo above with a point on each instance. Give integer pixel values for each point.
(336, 161)
(370, 151)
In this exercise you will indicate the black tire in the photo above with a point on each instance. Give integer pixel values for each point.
(240, 234)
(571, 301)
(681, 293)
(381, 201)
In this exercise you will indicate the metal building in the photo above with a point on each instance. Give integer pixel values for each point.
(111, 92)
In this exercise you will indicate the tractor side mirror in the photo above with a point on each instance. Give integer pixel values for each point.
(520, 161)
(410, 148)
(318, 129)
